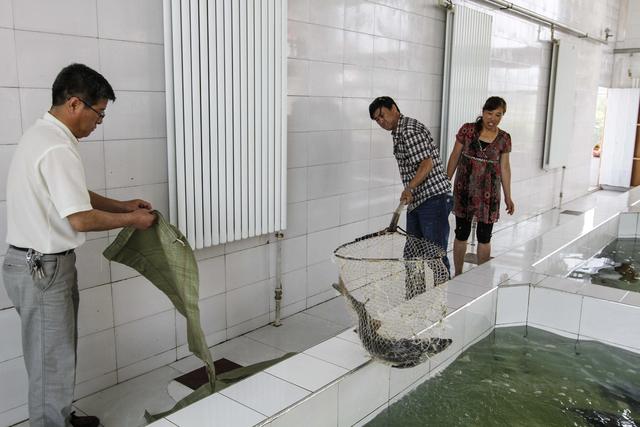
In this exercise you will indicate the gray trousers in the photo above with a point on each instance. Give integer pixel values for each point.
(48, 310)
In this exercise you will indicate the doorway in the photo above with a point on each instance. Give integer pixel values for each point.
(598, 136)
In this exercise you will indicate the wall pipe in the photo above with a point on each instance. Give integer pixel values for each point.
(168, 73)
(529, 14)
(278, 290)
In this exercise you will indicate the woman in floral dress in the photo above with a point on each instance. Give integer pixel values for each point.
(481, 158)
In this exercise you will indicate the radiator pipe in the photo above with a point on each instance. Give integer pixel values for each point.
(534, 16)
(278, 291)
(564, 168)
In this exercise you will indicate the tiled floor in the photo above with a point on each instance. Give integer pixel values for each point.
(124, 404)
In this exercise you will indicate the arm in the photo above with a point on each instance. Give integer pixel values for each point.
(454, 158)
(421, 174)
(99, 220)
(116, 206)
(505, 169)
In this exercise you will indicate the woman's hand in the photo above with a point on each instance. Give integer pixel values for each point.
(510, 206)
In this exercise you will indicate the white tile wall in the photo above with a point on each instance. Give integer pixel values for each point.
(8, 70)
(247, 302)
(361, 393)
(12, 338)
(512, 305)
(40, 56)
(136, 115)
(75, 17)
(6, 13)
(610, 322)
(10, 124)
(96, 355)
(212, 277)
(139, 21)
(6, 153)
(141, 339)
(132, 65)
(319, 411)
(555, 310)
(122, 160)
(95, 312)
(137, 298)
(628, 224)
(237, 273)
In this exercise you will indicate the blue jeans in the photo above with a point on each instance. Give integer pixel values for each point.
(430, 221)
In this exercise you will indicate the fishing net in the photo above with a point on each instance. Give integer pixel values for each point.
(390, 280)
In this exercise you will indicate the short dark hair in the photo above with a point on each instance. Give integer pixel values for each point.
(83, 82)
(381, 101)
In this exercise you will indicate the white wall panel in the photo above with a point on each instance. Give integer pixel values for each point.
(619, 137)
(560, 111)
(227, 124)
(466, 71)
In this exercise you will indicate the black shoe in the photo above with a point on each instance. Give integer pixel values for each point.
(89, 421)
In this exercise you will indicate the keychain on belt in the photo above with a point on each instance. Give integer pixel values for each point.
(34, 261)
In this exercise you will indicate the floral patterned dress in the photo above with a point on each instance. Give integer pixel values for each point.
(476, 191)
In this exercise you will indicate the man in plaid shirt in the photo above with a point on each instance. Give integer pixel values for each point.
(427, 189)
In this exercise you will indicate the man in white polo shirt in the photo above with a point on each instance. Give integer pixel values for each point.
(49, 210)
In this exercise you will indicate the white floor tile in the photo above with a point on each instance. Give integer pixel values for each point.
(455, 301)
(216, 411)
(124, 404)
(321, 410)
(340, 352)
(245, 351)
(162, 423)
(306, 371)
(632, 298)
(297, 333)
(265, 393)
(603, 292)
(335, 310)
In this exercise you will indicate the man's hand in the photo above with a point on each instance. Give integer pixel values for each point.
(142, 219)
(510, 206)
(406, 197)
(132, 205)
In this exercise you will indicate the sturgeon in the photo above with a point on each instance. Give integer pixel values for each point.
(401, 353)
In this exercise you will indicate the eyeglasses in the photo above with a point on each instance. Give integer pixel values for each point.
(100, 114)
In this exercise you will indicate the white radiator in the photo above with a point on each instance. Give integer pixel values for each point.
(466, 71)
(225, 70)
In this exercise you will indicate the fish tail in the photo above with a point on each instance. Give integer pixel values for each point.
(340, 287)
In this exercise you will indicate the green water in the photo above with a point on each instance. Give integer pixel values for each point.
(542, 379)
(624, 271)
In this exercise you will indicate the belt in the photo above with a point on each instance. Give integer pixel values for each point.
(27, 249)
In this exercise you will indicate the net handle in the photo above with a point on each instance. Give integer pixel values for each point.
(393, 226)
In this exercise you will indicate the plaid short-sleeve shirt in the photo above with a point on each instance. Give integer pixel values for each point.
(412, 143)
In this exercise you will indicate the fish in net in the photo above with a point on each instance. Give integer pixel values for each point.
(391, 282)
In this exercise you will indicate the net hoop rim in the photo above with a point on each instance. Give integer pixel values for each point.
(379, 234)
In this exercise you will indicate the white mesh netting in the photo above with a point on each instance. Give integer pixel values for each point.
(390, 281)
